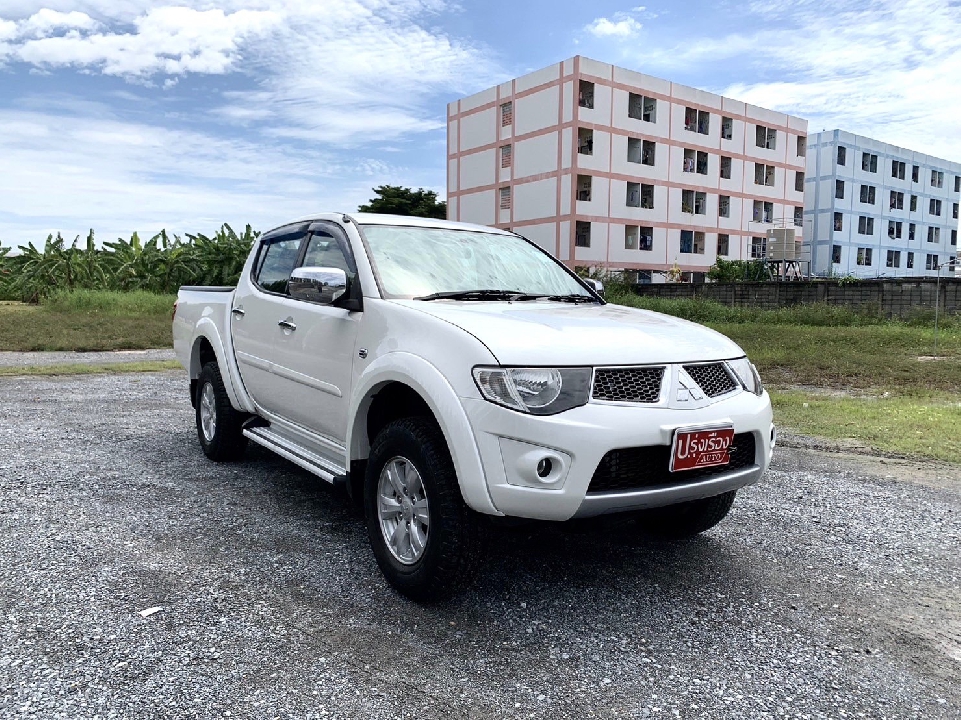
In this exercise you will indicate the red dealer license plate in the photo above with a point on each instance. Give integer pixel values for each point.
(701, 448)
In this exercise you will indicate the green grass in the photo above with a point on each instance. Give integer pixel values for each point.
(87, 321)
(83, 369)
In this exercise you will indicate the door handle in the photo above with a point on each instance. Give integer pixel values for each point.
(287, 325)
(238, 311)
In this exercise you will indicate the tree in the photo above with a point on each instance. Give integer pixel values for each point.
(397, 200)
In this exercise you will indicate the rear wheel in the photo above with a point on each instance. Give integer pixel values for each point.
(686, 519)
(424, 537)
(219, 426)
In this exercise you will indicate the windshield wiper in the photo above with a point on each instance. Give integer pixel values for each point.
(573, 298)
(470, 295)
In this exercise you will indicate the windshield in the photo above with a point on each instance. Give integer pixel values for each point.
(418, 261)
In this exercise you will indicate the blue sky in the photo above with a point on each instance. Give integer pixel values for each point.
(126, 115)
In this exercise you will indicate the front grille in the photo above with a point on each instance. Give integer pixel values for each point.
(713, 379)
(645, 467)
(634, 385)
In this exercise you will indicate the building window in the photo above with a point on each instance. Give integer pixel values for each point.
(839, 189)
(763, 174)
(836, 254)
(701, 162)
(915, 173)
(869, 162)
(842, 155)
(868, 194)
(582, 234)
(934, 234)
(798, 216)
(865, 225)
(910, 262)
(505, 203)
(765, 137)
(799, 181)
(633, 194)
(931, 262)
(894, 258)
(723, 244)
(864, 256)
(758, 248)
(687, 241)
(897, 200)
(698, 121)
(650, 110)
(838, 222)
(689, 160)
(585, 94)
(647, 197)
(506, 153)
(727, 128)
(645, 239)
(642, 108)
(726, 167)
(914, 203)
(937, 179)
(630, 237)
(957, 183)
(894, 229)
(897, 169)
(585, 141)
(954, 211)
(724, 206)
(911, 230)
(802, 145)
(934, 207)
(507, 114)
(763, 211)
(954, 237)
(641, 151)
(700, 203)
(687, 201)
(698, 242)
(584, 187)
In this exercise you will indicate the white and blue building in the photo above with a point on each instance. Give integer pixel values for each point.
(877, 210)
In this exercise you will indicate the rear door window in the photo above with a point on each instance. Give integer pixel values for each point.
(278, 257)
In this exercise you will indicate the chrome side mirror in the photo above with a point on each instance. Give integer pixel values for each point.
(595, 285)
(317, 284)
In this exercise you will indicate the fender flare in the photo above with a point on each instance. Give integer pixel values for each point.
(206, 329)
(425, 379)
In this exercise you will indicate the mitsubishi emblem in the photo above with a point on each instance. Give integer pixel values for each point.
(688, 390)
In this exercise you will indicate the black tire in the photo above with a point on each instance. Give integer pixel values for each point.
(686, 519)
(454, 538)
(227, 442)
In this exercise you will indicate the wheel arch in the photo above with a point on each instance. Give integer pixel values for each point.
(208, 346)
(400, 385)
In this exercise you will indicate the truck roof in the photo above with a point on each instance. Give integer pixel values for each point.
(400, 220)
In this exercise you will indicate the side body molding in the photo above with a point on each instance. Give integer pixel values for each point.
(433, 387)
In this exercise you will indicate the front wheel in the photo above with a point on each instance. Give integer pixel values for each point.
(219, 426)
(424, 537)
(686, 519)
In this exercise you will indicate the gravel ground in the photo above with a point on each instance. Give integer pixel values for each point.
(23, 359)
(831, 591)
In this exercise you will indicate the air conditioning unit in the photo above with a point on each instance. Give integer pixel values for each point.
(781, 244)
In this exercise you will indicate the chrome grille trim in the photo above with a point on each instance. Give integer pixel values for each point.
(641, 384)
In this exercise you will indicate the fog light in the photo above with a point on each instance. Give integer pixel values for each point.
(544, 467)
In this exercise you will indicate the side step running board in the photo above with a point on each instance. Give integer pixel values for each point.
(309, 461)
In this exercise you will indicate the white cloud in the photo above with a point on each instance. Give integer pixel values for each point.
(624, 27)
(45, 21)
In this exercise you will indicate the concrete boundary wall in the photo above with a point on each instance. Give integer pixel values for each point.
(894, 298)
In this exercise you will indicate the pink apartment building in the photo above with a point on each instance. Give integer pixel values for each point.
(606, 167)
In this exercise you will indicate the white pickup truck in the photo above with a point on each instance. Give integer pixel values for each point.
(445, 372)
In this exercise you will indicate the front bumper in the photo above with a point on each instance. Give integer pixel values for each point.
(578, 439)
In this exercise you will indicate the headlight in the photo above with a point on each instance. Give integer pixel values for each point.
(538, 391)
(747, 374)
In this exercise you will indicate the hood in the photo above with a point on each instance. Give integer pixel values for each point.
(551, 333)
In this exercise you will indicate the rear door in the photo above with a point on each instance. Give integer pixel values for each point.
(261, 340)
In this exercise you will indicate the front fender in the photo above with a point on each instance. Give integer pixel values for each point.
(415, 372)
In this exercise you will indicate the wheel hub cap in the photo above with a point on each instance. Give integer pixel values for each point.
(402, 510)
(208, 412)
